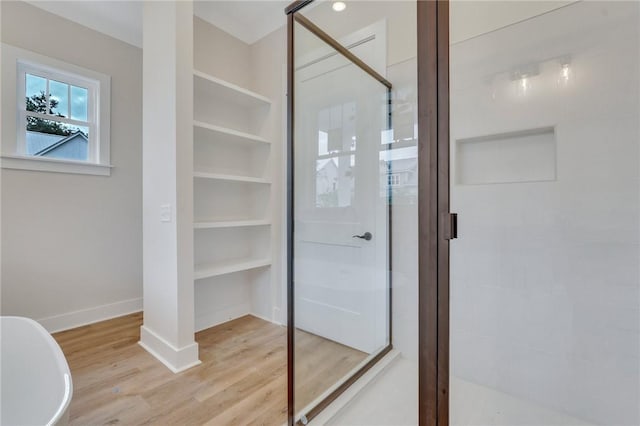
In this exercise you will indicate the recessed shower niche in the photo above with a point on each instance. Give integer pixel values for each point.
(521, 156)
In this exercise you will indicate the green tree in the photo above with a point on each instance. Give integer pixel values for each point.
(38, 103)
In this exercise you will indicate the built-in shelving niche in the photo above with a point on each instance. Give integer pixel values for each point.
(227, 200)
(514, 157)
(226, 105)
(231, 295)
(230, 265)
(220, 251)
(228, 160)
(232, 195)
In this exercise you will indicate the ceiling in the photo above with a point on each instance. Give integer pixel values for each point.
(247, 20)
(250, 20)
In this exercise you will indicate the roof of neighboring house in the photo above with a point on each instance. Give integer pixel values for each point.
(60, 142)
(37, 141)
(324, 164)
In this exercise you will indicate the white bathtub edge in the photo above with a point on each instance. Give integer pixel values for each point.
(82, 317)
(61, 416)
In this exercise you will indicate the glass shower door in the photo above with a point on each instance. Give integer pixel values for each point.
(341, 221)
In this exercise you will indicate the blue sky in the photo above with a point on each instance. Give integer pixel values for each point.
(60, 91)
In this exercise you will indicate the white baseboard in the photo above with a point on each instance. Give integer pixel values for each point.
(89, 316)
(253, 314)
(176, 359)
(220, 316)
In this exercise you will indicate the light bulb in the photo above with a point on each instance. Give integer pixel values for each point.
(339, 6)
(522, 78)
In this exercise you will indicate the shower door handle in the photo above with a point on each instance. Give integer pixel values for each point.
(366, 236)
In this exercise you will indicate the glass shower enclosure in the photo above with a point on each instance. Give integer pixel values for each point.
(339, 210)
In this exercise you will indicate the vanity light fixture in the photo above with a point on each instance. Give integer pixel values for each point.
(565, 71)
(522, 76)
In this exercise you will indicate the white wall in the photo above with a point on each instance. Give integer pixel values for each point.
(72, 244)
(545, 286)
(473, 18)
(220, 54)
(268, 77)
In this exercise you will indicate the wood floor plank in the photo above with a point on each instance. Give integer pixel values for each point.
(121, 411)
(272, 361)
(241, 381)
(251, 404)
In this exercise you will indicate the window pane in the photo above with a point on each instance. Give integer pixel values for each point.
(50, 139)
(59, 98)
(79, 99)
(35, 88)
(399, 174)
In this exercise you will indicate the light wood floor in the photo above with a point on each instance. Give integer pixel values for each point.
(242, 379)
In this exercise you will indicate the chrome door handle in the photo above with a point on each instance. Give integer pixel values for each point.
(366, 236)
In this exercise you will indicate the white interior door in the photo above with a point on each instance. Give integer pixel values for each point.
(341, 288)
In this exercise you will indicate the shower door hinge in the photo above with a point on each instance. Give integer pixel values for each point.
(450, 226)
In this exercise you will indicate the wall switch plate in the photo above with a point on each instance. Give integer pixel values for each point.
(165, 213)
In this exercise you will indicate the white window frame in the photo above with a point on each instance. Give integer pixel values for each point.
(93, 95)
(16, 63)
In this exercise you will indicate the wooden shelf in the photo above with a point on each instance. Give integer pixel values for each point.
(233, 178)
(230, 224)
(218, 89)
(222, 268)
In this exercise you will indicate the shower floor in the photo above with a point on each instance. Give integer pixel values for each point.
(242, 379)
(391, 399)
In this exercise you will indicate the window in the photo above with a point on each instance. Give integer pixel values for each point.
(62, 116)
(393, 180)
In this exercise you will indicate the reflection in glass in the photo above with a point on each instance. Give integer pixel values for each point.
(335, 181)
(336, 129)
(341, 282)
